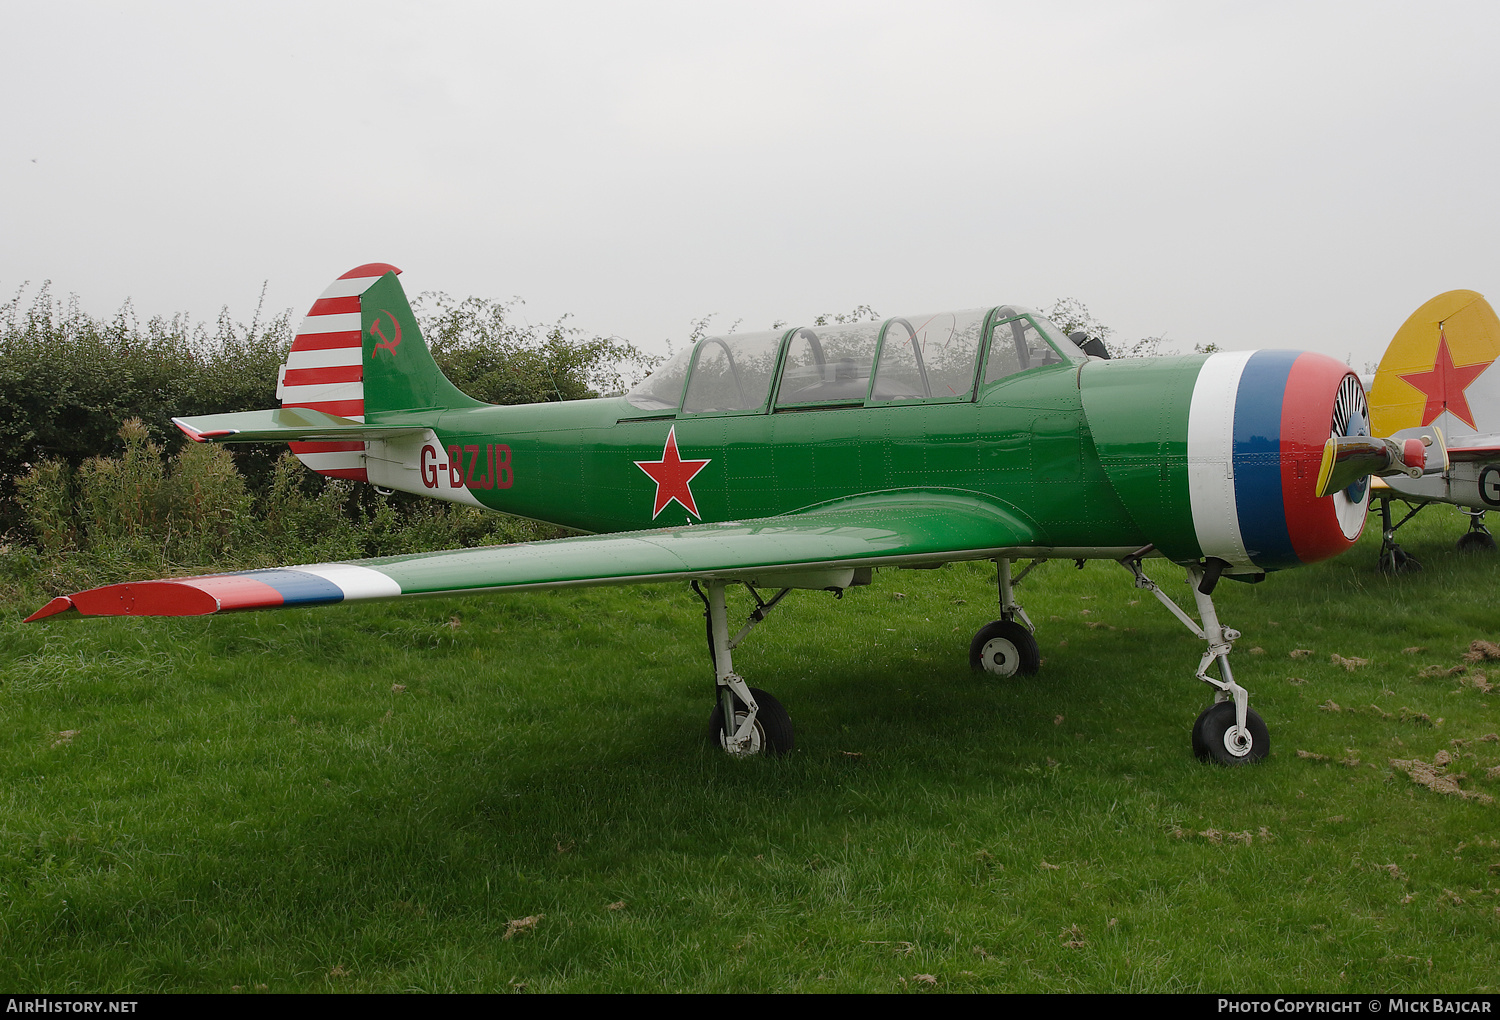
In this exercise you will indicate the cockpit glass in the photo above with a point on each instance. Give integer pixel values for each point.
(923, 357)
(929, 357)
(1060, 339)
(733, 373)
(662, 389)
(1018, 343)
(828, 364)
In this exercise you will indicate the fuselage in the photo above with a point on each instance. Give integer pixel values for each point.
(1024, 443)
(1195, 456)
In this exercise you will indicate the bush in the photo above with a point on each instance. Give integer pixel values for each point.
(93, 472)
(68, 382)
(141, 514)
(485, 352)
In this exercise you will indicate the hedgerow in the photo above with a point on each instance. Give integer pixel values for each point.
(96, 485)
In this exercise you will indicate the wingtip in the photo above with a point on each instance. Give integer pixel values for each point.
(61, 604)
(204, 436)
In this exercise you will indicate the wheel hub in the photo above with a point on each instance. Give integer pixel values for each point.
(1000, 657)
(757, 738)
(1238, 742)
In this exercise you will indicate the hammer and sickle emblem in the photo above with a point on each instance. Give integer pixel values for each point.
(384, 344)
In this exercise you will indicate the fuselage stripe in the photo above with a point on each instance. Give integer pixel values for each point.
(1306, 424)
(1258, 449)
(1210, 462)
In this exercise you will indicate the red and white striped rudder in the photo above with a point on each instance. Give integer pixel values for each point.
(325, 369)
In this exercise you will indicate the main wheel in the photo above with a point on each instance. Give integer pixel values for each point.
(772, 732)
(1217, 738)
(1476, 541)
(1004, 648)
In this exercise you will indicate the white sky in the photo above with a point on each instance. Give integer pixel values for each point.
(1249, 174)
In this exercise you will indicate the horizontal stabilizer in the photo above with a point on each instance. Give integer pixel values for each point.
(1478, 449)
(285, 424)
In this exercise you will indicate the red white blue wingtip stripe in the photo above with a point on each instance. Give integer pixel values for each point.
(1270, 412)
(325, 369)
(311, 585)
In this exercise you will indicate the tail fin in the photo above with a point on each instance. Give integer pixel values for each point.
(359, 353)
(1437, 371)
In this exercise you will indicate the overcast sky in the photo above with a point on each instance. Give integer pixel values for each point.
(1247, 174)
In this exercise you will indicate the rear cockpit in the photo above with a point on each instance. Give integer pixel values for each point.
(942, 358)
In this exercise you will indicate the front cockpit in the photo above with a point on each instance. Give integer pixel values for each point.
(943, 358)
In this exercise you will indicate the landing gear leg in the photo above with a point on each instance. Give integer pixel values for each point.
(1230, 732)
(745, 720)
(1478, 537)
(1393, 558)
(1005, 647)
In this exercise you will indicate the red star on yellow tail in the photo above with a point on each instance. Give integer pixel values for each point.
(1445, 385)
(672, 475)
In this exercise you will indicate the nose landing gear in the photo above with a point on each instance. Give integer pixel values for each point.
(1229, 732)
(1218, 736)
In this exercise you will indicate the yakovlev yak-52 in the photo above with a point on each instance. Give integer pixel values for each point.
(802, 458)
(1435, 375)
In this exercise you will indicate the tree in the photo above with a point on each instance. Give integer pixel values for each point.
(1074, 316)
(490, 355)
(69, 381)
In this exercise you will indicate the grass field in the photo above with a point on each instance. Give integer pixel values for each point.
(517, 793)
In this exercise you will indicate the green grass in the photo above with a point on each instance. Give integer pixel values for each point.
(248, 800)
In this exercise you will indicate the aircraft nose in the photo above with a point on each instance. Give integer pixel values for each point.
(1229, 469)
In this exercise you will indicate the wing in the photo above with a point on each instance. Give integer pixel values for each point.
(821, 547)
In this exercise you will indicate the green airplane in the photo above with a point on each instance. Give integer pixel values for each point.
(803, 458)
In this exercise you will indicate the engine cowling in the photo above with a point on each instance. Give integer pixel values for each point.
(1217, 456)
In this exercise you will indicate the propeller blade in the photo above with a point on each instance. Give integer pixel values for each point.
(1347, 459)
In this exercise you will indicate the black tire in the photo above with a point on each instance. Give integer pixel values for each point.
(1212, 730)
(1476, 541)
(1396, 560)
(772, 734)
(1004, 648)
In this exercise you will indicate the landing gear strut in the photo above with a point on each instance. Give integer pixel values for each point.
(745, 720)
(1393, 558)
(1005, 647)
(1229, 732)
(1478, 537)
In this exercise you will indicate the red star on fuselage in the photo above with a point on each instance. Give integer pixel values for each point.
(1444, 386)
(672, 475)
